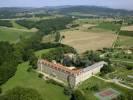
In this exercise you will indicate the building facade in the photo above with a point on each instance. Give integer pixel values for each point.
(63, 74)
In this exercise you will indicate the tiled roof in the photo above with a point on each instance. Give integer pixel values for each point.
(60, 67)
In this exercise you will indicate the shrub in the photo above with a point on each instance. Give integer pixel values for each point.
(29, 69)
(95, 88)
(67, 91)
(40, 75)
(0, 90)
(54, 82)
(78, 95)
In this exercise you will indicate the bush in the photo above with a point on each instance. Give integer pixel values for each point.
(0, 90)
(40, 75)
(106, 69)
(95, 88)
(29, 69)
(67, 91)
(54, 82)
(78, 95)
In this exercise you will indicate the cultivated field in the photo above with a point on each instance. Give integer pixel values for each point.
(83, 41)
(127, 28)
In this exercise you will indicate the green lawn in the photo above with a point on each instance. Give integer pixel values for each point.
(102, 85)
(108, 26)
(13, 35)
(31, 80)
(44, 51)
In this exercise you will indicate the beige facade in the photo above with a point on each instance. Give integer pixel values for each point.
(66, 75)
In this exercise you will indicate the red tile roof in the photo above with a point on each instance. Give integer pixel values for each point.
(58, 66)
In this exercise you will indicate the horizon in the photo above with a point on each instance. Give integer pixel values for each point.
(119, 4)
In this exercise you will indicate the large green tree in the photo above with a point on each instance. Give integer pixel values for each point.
(19, 93)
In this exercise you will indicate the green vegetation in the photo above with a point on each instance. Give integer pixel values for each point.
(5, 23)
(15, 25)
(78, 95)
(26, 79)
(44, 52)
(58, 53)
(48, 25)
(19, 93)
(13, 35)
(126, 33)
(91, 82)
(8, 61)
(122, 72)
(109, 26)
(106, 69)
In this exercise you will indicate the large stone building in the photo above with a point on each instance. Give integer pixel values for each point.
(66, 75)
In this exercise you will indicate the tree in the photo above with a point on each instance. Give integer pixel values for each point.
(62, 37)
(121, 97)
(106, 69)
(95, 88)
(33, 61)
(0, 90)
(57, 36)
(19, 93)
(130, 95)
(78, 95)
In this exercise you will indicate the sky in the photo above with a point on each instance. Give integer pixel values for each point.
(120, 4)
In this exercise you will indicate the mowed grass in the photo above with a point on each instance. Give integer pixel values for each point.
(89, 40)
(101, 84)
(13, 35)
(31, 80)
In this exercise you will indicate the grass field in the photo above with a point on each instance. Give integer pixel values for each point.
(101, 84)
(83, 41)
(108, 26)
(15, 25)
(39, 53)
(31, 80)
(126, 41)
(12, 35)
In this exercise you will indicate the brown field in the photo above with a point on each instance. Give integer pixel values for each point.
(127, 28)
(83, 41)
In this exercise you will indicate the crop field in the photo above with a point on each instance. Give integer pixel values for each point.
(127, 28)
(126, 41)
(83, 41)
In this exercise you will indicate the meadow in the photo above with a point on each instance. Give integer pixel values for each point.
(25, 79)
(13, 35)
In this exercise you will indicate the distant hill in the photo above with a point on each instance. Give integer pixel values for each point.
(94, 10)
(10, 12)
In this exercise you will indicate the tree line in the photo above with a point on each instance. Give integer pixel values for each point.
(46, 26)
